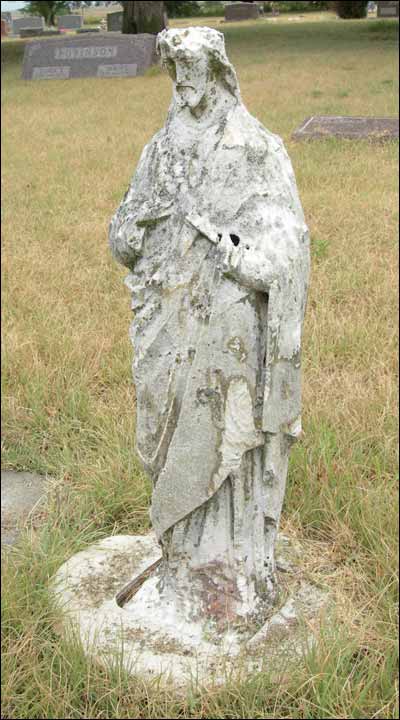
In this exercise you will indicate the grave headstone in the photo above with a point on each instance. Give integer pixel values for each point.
(114, 21)
(324, 126)
(388, 9)
(99, 55)
(28, 22)
(69, 22)
(241, 11)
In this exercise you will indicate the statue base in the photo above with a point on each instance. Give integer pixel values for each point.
(153, 639)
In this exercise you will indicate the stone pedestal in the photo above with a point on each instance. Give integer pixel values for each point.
(154, 639)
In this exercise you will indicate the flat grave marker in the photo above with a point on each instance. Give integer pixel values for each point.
(21, 494)
(352, 128)
(69, 22)
(97, 55)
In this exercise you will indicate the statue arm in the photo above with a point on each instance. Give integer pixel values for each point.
(138, 211)
(255, 254)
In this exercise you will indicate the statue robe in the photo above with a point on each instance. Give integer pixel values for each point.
(216, 338)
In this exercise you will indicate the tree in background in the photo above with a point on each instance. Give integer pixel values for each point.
(183, 8)
(143, 17)
(348, 10)
(297, 7)
(48, 10)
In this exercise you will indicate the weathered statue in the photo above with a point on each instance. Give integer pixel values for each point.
(214, 236)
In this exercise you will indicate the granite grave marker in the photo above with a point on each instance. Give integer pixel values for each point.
(241, 11)
(324, 126)
(28, 22)
(388, 9)
(69, 22)
(98, 55)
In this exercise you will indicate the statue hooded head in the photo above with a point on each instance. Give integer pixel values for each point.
(196, 60)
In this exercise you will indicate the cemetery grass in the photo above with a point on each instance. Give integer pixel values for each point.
(69, 149)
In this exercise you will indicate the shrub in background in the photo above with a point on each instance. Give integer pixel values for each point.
(286, 6)
(348, 9)
(213, 9)
(320, 4)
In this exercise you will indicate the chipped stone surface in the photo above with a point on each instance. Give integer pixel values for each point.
(213, 233)
(304, 604)
(21, 493)
(155, 639)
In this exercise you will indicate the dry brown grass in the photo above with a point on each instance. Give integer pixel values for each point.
(69, 149)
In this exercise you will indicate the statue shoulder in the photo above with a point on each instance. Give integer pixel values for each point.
(244, 130)
(152, 148)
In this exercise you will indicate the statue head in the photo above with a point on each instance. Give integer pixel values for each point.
(196, 60)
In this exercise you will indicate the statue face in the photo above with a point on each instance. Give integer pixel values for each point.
(190, 75)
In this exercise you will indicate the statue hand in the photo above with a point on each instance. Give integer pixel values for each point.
(203, 226)
(240, 261)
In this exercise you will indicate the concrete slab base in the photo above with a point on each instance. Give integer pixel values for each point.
(21, 494)
(152, 640)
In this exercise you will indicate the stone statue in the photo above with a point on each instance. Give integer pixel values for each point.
(213, 233)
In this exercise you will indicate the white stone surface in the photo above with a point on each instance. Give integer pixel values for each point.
(214, 236)
(155, 640)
